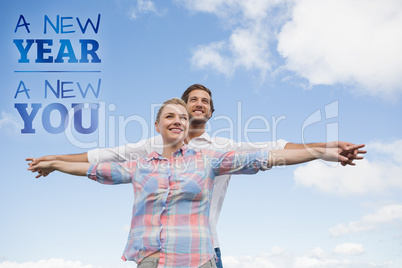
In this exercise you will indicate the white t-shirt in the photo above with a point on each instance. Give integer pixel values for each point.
(143, 148)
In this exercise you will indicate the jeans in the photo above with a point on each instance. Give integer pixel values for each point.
(218, 258)
(153, 263)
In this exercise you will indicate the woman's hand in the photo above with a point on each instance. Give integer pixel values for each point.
(43, 167)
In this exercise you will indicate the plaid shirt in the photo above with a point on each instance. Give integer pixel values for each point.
(172, 199)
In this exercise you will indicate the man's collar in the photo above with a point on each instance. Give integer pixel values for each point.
(204, 136)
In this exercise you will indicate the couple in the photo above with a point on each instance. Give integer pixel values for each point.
(175, 210)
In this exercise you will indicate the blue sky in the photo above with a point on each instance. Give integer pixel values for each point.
(304, 71)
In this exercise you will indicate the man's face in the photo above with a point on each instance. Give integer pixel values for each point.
(199, 106)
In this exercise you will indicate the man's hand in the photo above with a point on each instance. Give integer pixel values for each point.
(350, 150)
(345, 155)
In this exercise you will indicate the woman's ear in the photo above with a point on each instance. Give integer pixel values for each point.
(157, 127)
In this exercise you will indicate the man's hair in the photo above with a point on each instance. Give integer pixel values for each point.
(170, 101)
(186, 93)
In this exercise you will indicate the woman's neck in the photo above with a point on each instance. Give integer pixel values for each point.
(170, 149)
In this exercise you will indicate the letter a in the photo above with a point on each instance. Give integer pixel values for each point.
(20, 25)
(20, 91)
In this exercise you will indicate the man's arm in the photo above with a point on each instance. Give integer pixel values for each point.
(343, 145)
(63, 157)
(298, 156)
(282, 144)
(250, 162)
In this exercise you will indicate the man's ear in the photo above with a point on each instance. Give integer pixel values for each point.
(157, 127)
(210, 115)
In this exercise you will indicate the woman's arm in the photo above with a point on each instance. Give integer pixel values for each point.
(73, 168)
(249, 163)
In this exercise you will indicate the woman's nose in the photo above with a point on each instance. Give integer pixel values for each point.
(177, 120)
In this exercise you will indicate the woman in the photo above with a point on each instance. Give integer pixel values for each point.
(172, 191)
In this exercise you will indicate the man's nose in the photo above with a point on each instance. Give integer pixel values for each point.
(198, 103)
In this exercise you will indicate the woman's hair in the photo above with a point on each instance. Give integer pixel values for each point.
(171, 101)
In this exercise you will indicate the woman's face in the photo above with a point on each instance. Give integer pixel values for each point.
(173, 124)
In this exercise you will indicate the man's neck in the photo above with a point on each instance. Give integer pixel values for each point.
(194, 131)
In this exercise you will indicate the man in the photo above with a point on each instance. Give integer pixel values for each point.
(200, 109)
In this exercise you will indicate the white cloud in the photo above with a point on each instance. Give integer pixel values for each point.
(378, 175)
(310, 262)
(354, 42)
(142, 7)
(126, 228)
(383, 216)
(233, 11)
(50, 263)
(277, 258)
(351, 42)
(349, 249)
(9, 124)
(315, 258)
(318, 253)
(208, 56)
(252, 33)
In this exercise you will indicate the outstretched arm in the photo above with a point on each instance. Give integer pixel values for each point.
(297, 156)
(116, 154)
(66, 158)
(343, 145)
(249, 163)
(77, 168)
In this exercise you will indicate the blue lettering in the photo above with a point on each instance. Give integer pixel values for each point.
(84, 94)
(65, 90)
(66, 44)
(23, 50)
(20, 91)
(55, 28)
(88, 47)
(66, 26)
(24, 24)
(83, 29)
(27, 118)
(56, 93)
(41, 50)
(63, 116)
(78, 107)
(85, 51)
